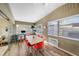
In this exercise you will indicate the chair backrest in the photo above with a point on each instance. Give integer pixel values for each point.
(27, 43)
(39, 35)
(39, 45)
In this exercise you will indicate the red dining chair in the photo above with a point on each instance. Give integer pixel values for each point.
(27, 43)
(41, 36)
(29, 46)
(40, 46)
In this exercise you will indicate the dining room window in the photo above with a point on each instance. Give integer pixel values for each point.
(69, 27)
(65, 27)
(53, 27)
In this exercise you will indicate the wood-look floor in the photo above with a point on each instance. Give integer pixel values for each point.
(19, 49)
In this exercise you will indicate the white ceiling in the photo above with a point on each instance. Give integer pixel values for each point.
(32, 12)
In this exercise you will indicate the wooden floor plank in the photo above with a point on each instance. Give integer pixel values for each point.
(19, 49)
(3, 49)
(52, 53)
(57, 50)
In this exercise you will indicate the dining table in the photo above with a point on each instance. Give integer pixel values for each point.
(34, 39)
(35, 43)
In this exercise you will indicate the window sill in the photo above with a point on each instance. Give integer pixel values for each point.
(62, 37)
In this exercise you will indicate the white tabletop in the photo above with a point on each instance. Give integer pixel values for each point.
(34, 40)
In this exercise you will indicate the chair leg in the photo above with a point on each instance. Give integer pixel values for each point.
(28, 51)
(38, 51)
(33, 51)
